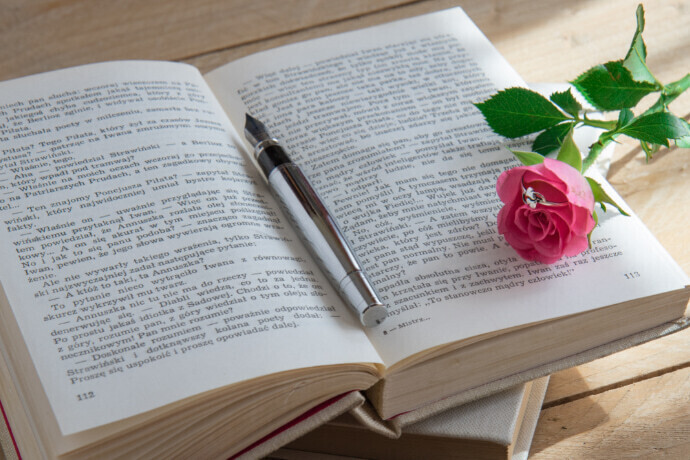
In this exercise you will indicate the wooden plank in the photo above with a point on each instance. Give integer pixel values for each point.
(649, 419)
(639, 363)
(545, 40)
(43, 35)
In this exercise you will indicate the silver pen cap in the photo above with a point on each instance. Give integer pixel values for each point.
(355, 288)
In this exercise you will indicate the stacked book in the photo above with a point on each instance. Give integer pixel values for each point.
(496, 427)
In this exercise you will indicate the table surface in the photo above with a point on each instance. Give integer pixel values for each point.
(632, 404)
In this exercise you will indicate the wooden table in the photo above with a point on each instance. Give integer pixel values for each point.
(632, 404)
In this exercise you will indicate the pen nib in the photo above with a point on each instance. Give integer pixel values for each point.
(254, 130)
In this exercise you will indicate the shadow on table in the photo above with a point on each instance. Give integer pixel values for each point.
(567, 416)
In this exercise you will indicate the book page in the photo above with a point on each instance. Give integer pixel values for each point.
(142, 256)
(382, 122)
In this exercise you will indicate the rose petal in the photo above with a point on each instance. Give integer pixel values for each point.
(519, 241)
(550, 246)
(583, 222)
(539, 226)
(554, 243)
(506, 216)
(576, 245)
(521, 219)
(579, 192)
(544, 174)
(508, 185)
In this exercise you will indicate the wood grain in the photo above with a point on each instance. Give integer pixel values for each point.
(652, 359)
(41, 35)
(649, 419)
(545, 40)
(631, 404)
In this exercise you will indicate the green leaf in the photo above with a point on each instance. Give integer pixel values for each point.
(636, 59)
(657, 128)
(684, 142)
(567, 102)
(516, 112)
(601, 197)
(551, 139)
(528, 158)
(611, 86)
(569, 153)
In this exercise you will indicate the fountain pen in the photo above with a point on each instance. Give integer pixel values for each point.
(314, 224)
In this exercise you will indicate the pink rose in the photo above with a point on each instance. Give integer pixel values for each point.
(548, 210)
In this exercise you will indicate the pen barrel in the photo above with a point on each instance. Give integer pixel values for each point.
(320, 234)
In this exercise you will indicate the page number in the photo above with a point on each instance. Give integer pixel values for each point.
(631, 275)
(86, 396)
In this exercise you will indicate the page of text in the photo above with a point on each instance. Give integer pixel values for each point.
(383, 123)
(140, 247)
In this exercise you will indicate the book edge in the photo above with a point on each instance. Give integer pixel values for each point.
(307, 422)
(534, 373)
(530, 418)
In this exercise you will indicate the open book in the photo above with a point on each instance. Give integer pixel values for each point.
(156, 302)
